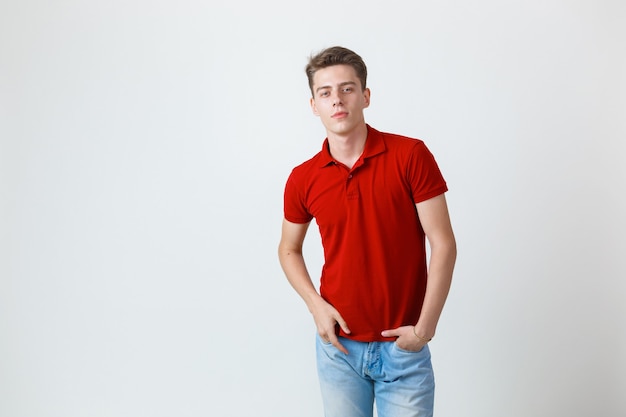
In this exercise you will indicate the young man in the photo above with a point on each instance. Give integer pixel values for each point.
(375, 197)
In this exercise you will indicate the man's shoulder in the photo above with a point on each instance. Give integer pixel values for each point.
(396, 146)
(307, 169)
(397, 140)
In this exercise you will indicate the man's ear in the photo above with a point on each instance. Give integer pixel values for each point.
(314, 107)
(367, 94)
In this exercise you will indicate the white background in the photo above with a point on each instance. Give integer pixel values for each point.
(144, 148)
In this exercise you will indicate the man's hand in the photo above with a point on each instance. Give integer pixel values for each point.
(326, 319)
(406, 338)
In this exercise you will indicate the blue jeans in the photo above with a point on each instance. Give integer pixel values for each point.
(401, 382)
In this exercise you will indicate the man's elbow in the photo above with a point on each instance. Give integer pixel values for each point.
(285, 250)
(445, 247)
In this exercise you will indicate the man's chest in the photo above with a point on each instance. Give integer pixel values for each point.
(338, 195)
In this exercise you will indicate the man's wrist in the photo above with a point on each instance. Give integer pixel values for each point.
(422, 339)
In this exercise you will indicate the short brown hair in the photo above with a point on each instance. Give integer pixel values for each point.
(336, 55)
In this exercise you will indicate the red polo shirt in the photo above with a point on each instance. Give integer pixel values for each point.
(375, 269)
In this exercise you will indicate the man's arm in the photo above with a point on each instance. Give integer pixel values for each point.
(291, 260)
(435, 220)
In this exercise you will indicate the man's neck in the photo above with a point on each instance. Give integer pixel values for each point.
(348, 148)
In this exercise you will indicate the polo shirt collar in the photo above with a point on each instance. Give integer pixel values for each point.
(374, 145)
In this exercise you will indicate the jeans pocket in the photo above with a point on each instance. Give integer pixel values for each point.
(399, 349)
(323, 342)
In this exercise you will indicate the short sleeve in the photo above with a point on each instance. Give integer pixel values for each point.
(295, 209)
(424, 175)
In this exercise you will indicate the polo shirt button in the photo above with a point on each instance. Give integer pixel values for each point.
(350, 176)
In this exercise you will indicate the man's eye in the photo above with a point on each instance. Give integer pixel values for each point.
(347, 90)
(324, 94)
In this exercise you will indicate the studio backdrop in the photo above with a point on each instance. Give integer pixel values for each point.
(144, 147)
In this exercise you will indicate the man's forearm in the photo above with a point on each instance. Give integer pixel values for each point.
(294, 267)
(442, 260)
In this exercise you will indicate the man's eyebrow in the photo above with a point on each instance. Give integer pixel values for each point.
(343, 84)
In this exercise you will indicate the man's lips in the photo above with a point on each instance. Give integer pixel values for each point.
(339, 115)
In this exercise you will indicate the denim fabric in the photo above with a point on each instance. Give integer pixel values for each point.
(401, 383)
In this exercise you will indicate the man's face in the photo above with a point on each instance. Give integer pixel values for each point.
(338, 99)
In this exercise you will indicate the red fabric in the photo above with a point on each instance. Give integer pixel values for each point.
(374, 272)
